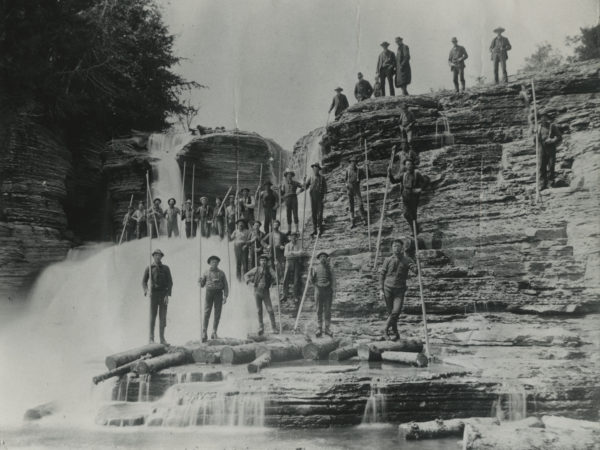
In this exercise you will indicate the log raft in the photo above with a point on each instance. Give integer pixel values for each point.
(319, 348)
(239, 354)
(119, 359)
(121, 370)
(281, 351)
(161, 362)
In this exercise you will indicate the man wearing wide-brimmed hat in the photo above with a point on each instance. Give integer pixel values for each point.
(323, 280)
(339, 104)
(171, 214)
(155, 216)
(549, 137)
(317, 188)
(263, 277)
(204, 217)
(288, 192)
(187, 215)
(217, 291)
(386, 68)
(241, 242)
(269, 201)
(353, 177)
(293, 268)
(499, 49)
(456, 61)
(161, 284)
(255, 247)
(247, 205)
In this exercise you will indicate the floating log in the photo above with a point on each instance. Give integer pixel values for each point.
(320, 348)
(343, 353)
(281, 351)
(121, 370)
(257, 337)
(372, 351)
(239, 354)
(207, 354)
(227, 341)
(437, 429)
(119, 359)
(161, 362)
(412, 359)
(260, 363)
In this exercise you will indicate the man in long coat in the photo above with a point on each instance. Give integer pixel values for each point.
(386, 67)
(403, 72)
(339, 104)
(499, 49)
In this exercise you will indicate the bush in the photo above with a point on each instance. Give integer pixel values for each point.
(544, 57)
(588, 43)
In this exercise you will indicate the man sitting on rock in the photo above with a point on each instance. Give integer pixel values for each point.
(363, 89)
(263, 277)
(392, 282)
(217, 291)
(412, 183)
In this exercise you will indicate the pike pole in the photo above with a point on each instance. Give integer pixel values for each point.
(125, 224)
(427, 349)
(387, 184)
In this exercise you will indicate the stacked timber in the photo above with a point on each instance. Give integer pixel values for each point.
(122, 358)
(438, 429)
(157, 363)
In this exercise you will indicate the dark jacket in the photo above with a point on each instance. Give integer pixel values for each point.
(317, 185)
(339, 104)
(457, 57)
(500, 46)
(387, 62)
(403, 72)
(548, 136)
(161, 279)
(409, 182)
(363, 90)
(394, 271)
(215, 280)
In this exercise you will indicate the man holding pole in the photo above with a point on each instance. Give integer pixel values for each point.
(161, 284)
(293, 268)
(412, 183)
(204, 217)
(275, 242)
(230, 214)
(187, 215)
(171, 214)
(217, 291)
(155, 215)
(241, 241)
(317, 187)
(269, 202)
(139, 216)
(548, 136)
(323, 280)
(392, 281)
(288, 193)
(129, 224)
(256, 237)
(353, 176)
(262, 277)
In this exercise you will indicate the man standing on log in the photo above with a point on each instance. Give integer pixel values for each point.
(230, 215)
(289, 194)
(456, 60)
(270, 202)
(392, 283)
(323, 280)
(171, 214)
(549, 137)
(353, 176)
(262, 277)
(293, 268)
(217, 291)
(403, 72)
(363, 89)
(407, 124)
(187, 215)
(276, 239)
(155, 215)
(339, 104)
(161, 285)
(241, 241)
(499, 49)
(204, 216)
(411, 184)
(129, 224)
(317, 187)
(140, 220)
(386, 67)
(255, 249)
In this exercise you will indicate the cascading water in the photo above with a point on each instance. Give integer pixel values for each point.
(375, 408)
(92, 304)
(512, 404)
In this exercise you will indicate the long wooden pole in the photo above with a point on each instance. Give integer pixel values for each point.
(182, 232)
(256, 199)
(193, 204)
(237, 184)
(538, 196)
(125, 224)
(306, 194)
(307, 282)
(151, 332)
(368, 204)
(387, 184)
(152, 208)
(427, 350)
(279, 185)
(276, 265)
(200, 286)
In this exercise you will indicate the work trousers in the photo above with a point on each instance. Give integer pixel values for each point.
(411, 203)
(394, 300)
(548, 156)
(323, 300)
(387, 74)
(153, 230)
(270, 216)
(219, 227)
(130, 232)
(291, 207)
(316, 205)
(293, 276)
(158, 305)
(241, 260)
(188, 229)
(354, 192)
(500, 60)
(456, 73)
(140, 229)
(407, 135)
(204, 228)
(213, 298)
(230, 228)
(263, 296)
(172, 228)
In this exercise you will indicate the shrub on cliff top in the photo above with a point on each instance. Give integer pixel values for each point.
(588, 43)
(89, 65)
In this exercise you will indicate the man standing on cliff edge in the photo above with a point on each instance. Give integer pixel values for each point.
(499, 49)
(161, 285)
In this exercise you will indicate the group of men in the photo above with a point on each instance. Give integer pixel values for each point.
(394, 69)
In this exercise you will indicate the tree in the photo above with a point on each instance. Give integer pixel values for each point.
(589, 44)
(189, 112)
(544, 57)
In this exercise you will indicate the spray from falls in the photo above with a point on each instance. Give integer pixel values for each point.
(375, 408)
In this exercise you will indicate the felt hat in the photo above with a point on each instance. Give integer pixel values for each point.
(385, 44)
(169, 201)
(244, 189)
(158, 252)
(321, 254)
(286, 171)
(188, 201)
(316, 165)
(203, 198)
(398, 38)
(454, 39)
(499, 30)
(213, 257)
(359, 74)
(157, 200)
(242, 221)
(264, 256)
(257, 222)
(267, 183)
(407, 160)
(338, 89)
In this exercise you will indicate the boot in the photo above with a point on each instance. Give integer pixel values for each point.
(462, 87)
(328, 332)
(162, 337)
(214, 335)
(273, 324)
(319, 333)
(352, 223)
(204, 337)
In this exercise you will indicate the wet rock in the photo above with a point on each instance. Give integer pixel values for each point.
(122, 414)
(40, 411)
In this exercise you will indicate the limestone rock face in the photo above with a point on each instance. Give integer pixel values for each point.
(486, 243)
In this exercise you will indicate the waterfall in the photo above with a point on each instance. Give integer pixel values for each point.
(511, 404)
(375, 408)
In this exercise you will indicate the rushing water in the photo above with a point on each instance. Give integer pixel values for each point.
(375, 411)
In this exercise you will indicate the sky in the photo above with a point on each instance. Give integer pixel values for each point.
(272, 65)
